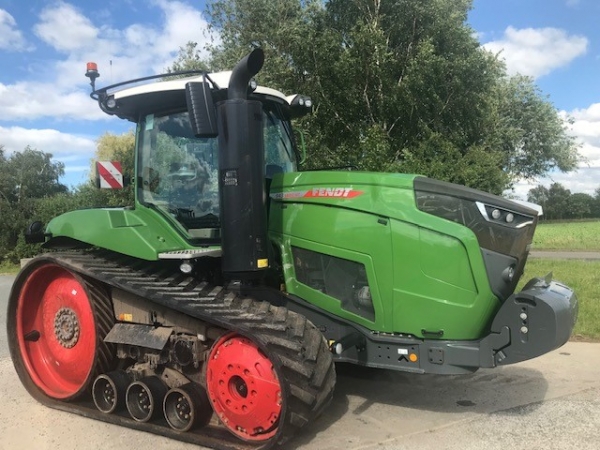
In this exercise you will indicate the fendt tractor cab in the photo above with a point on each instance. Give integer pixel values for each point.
(214, 308)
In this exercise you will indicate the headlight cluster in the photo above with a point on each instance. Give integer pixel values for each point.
(300, 100)
(502, 216)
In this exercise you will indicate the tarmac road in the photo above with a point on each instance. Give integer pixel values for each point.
(552, 402)
(562, 254)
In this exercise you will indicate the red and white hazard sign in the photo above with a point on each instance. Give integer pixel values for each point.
(110, 174)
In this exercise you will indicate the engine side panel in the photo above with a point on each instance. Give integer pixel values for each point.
(341, 237)
(426, 274)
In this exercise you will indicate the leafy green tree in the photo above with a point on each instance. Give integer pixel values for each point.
(399, 86)
(189, 58)
(539, 195)
(13, 220)
(580, 205)
(532, 137)
(596, 203)
(29, 174)
(558, 201)
(27, 179)
(5, 179)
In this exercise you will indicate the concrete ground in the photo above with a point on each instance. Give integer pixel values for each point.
(562, 254)
(552, 402)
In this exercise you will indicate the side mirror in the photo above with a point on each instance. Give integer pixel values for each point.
(201, 109)
(35, 233)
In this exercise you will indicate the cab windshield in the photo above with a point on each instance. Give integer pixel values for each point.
(178, 172)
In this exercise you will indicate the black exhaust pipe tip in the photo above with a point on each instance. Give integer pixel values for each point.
(145, 397)
(243, 72)
(187, 407)
(108, 391)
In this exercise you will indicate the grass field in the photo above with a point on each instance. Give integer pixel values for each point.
(8, 268)
(581, 276)
(567, 236)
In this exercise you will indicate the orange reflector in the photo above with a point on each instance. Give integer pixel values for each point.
(413, 357)
(125, 317)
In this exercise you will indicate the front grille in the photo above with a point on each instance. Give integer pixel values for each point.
(502, 227)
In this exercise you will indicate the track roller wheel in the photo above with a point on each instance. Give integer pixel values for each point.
(243, 388)
(187, 407)
(56, 326)
(144, 398)
(108, 391)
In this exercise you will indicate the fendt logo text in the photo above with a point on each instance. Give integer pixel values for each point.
(339, 192)
(333, 192)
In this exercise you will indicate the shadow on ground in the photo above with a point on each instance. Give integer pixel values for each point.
(359, 390)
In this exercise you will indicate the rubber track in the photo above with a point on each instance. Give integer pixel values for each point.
(297, 349)
(104, 317)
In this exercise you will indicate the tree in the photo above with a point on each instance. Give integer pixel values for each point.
(29, 174)
(595, 212)
(400, 86)
(27, 178)
(188, 59)
(532, 136)
(580, 205)
(5, 179)
(558, 200)
(539, 195)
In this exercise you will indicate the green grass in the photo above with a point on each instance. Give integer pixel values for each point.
(567, 236)
(584, 278)
(9, 268)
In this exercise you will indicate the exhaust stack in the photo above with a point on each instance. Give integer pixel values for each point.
(241, 175)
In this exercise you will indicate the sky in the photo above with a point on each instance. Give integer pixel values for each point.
(45, 45)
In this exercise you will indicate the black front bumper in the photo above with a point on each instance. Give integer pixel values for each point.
(539, 319)
(534, 321)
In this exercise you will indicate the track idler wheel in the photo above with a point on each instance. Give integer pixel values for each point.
(244, 388)
(109, 390)
(144, 398)
(187, 407)
(56, 328)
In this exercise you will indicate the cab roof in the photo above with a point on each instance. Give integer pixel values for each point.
(135, 99)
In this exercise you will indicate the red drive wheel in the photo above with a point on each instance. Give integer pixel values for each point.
(56, 332)
(243, 388)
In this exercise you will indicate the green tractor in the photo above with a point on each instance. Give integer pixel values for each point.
(214, 309)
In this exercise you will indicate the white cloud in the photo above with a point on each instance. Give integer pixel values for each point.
(63, 146)
(537, 51)
(585, 179)
(25, 100)
(65, 28)
(11, 38)
(61, 92)
(182, 24)
(586, 128)
(137, 50)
